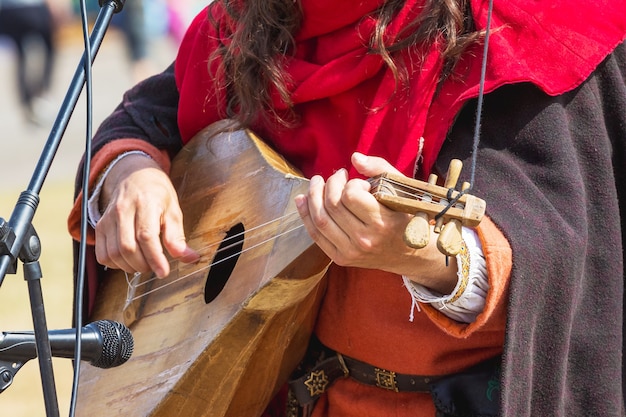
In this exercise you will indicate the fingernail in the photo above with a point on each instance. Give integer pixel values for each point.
(191, 256)
(299, 200)
(316, 180)
(360, 158)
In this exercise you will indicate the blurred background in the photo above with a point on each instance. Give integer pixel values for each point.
(38, 58)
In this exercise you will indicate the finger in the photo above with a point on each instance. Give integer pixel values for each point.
(357, 199)
(303, 206)
(366, 207)
(334, 203)
(173, 236)
(370, 166)
(321, 219)
(107, 249)
(101, 250)
(147, 235)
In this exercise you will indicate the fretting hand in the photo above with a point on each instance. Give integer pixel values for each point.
(354, 229)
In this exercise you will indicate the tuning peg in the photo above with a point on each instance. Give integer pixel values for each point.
(427, 201)
(450, 239)
(417, 232)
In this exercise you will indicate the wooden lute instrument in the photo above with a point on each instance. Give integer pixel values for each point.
(220, 337)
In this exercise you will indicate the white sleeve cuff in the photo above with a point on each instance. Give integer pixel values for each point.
(93, 203)
(463, 307)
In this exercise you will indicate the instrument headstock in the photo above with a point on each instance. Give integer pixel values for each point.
(428, 202)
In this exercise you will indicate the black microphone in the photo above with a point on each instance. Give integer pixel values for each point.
(104, 344)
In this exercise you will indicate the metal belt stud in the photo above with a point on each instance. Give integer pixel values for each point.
(386, 379)
(316, 383)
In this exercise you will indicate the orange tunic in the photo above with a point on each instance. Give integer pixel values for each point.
(365, 315)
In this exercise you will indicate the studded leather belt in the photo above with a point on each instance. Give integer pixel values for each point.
(314, 383)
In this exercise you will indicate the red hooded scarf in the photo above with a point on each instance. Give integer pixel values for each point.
(347, 99)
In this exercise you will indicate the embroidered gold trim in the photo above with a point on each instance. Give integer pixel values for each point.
(464, 268)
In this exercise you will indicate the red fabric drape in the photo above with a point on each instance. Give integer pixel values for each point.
(348, 99)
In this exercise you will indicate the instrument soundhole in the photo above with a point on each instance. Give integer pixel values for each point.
(224, 262)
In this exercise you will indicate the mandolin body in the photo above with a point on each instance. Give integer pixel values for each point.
(219, 337)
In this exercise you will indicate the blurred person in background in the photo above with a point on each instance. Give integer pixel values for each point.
(31, 24)
(142, 23)
(132, 23)
(179, 15)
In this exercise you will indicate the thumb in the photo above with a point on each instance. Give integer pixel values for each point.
(370, 166)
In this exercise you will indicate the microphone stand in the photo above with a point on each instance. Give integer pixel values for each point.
(18, 239)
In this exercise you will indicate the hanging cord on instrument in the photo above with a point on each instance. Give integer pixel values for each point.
(481, 92)
(80, 273)
(479, 110)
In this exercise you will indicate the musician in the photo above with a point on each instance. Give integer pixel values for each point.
(527, 318)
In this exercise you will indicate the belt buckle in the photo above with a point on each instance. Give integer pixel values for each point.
(386, 379)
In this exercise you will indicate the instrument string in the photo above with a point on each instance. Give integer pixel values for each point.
(406, 191)
(292, 224)
(236, 238)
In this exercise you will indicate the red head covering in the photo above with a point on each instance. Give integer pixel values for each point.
(348, 99)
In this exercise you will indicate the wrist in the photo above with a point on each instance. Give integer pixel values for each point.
(432, 269)
(467, 299)
(120, 169)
